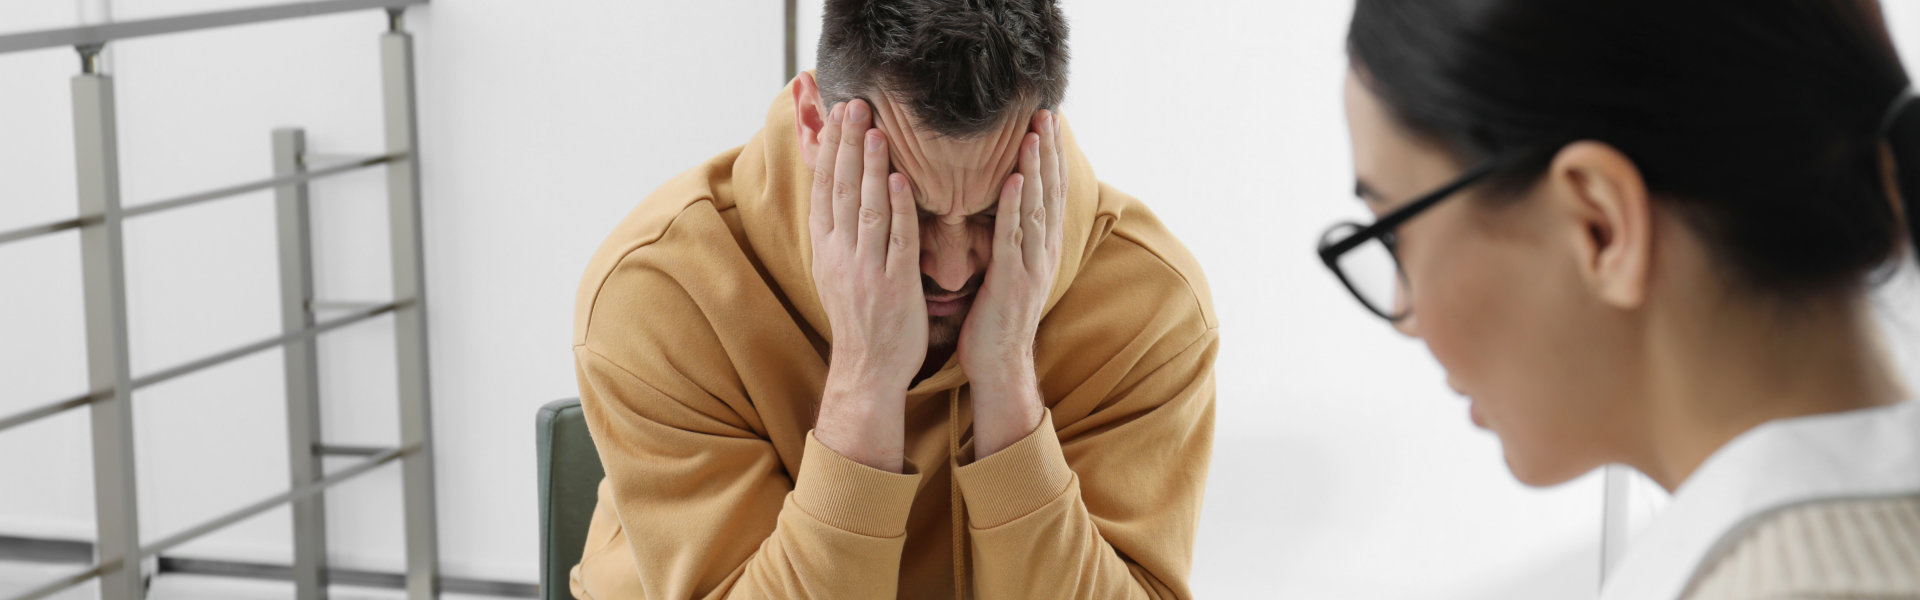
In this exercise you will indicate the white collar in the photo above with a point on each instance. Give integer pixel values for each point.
(1864, 453)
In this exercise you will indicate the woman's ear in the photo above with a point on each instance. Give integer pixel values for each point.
(1603, 199)
(809, 116)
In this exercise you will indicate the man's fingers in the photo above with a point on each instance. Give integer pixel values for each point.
(903, 238)
(1006, 225)
(846, 168)
(1053, 166)
(875, 210)
(1033, 210)
(820, 211)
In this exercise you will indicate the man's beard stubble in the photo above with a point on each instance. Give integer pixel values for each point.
(943, 333)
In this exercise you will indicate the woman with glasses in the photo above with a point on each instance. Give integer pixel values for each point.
(1645, 232)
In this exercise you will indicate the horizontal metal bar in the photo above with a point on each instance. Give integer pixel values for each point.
(353, 164)
(217, 359)
(269, 183)
(348, 450)
(50, 409)
(283, 498)
(347, 577)
(58, 585)
(320, 305)
(64, 551)
(45, 229)
(312, 159)
(103, 33)
(42, 550)
(363, 312)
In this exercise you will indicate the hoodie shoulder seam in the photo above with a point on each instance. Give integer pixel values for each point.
(1206, 312)
(586, 330)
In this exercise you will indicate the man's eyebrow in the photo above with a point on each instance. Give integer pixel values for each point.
(989, 210)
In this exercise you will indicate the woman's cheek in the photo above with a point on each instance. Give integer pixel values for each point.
(1454, 326)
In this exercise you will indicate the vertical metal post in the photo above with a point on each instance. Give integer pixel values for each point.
(103, 265)
(1615, 514)
(410, 320)
(792, 42)
(303, 366)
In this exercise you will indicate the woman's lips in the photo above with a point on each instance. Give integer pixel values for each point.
(1473, 408)
(945, 308)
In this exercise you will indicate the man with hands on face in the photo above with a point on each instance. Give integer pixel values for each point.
(902, 344)
(867, 267)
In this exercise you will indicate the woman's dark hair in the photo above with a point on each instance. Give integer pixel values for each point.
(1758, 120)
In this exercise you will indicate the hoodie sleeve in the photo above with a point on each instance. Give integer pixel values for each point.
(1111, 510)
(707, 505)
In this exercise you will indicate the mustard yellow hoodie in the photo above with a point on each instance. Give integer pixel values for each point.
(701, 354)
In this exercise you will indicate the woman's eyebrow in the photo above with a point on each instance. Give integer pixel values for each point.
(1365, 192)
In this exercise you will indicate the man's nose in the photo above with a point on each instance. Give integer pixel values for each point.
(949, 259)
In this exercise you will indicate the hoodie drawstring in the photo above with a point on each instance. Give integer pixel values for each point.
(953, 483)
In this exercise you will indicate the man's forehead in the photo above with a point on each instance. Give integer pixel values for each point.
(960, 188)
(945, 170)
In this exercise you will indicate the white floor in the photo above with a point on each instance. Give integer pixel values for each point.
(18, 577)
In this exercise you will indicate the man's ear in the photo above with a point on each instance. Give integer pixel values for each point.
(1601, 195)
(809, 116)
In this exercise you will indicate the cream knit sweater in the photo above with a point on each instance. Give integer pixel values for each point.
(1833, 549)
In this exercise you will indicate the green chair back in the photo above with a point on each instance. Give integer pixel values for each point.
(570, 474)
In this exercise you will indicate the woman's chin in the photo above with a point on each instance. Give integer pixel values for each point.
(1530, 470)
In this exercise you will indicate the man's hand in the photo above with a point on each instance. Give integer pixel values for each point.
(996, 343)
(866, 250)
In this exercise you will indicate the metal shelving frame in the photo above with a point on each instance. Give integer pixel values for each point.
(119, 551)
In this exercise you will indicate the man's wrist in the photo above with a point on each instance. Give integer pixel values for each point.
(1009, 378)
(863, 420)
(863, 371)
(1007, 407)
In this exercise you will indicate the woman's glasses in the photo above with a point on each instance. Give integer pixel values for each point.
(1366, 259)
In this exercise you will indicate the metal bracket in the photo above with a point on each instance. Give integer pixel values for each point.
(90, 58)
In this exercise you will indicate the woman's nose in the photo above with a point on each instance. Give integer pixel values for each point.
(1409, 323)
(1408, 326)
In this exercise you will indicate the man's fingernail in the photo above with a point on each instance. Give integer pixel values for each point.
(899, 184)
(856, 111)
(837, 108)
(873, 141)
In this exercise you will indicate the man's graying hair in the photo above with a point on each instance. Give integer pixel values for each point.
(958, 65)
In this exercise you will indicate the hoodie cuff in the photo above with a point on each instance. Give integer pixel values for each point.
(851, 496)
(1017, 480)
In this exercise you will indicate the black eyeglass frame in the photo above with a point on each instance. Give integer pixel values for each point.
(1330, 252)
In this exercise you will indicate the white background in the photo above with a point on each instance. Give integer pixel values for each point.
(1343, 467)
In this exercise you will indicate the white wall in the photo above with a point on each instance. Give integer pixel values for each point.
(1339, 448)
